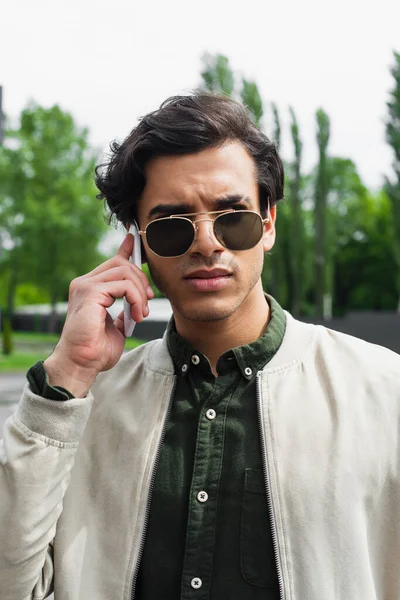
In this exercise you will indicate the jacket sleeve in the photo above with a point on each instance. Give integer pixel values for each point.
(37, 454)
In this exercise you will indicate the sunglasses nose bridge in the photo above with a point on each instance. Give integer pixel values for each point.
(210, 237)
(197, 227)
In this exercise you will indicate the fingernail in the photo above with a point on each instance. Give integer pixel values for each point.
(146, 310)
(150, 291)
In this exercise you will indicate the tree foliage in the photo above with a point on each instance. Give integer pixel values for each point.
(252, 100)
(276, 136)
(296, 236)
(217, 74)
(364, 252)
(323, 240)
(393, 185)
(50, 221)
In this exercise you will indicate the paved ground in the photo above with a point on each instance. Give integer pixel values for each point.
(11, 387)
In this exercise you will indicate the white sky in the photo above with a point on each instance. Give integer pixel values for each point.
(109, 62)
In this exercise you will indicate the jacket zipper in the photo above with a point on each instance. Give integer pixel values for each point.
(151, 488)
(268, 489)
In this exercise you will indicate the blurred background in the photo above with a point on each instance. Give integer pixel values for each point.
(322, 79)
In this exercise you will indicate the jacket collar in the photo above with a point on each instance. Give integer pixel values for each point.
(298, 340)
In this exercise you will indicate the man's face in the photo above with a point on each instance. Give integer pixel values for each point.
(214, 179)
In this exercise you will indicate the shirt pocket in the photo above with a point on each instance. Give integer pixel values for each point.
(257, 559)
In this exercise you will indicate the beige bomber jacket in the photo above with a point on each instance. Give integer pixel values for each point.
(75, 476)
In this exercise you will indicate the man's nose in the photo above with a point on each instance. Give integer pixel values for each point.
(205, 242)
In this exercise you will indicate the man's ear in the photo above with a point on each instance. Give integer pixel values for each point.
(269, 231)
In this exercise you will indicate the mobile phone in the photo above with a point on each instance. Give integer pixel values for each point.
(136, 259)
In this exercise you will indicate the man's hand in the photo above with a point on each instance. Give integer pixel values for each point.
(91, 341)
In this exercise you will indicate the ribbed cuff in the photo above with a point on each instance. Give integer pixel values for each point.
(61, 421)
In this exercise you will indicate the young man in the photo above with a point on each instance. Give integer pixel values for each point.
(246, 455)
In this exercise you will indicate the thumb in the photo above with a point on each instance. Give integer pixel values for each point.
(119, 323)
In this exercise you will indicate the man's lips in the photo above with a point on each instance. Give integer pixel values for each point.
(205, 280)
(208, 274)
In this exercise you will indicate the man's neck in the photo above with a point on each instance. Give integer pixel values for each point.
(244, 326)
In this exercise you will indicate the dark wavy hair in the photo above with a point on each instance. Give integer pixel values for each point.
(184, 125)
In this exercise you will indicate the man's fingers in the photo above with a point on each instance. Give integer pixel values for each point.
(119, 267)
(126, 248)
(125, 272)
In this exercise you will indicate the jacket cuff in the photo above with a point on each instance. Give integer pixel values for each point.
(61, 421)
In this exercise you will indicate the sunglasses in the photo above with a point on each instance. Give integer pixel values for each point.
(234, 229)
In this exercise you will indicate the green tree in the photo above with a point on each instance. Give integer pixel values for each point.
(277, 126)
(364, 258)
(12, 185)
(358, 228)
(296, 237)
(323, 263)
(393, 186)
(276, 272)
(252, 100)
(57, 223)
(217, 74)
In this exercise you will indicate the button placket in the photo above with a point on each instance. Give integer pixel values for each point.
(199, 547)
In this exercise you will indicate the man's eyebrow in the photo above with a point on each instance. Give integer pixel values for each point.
(169, 209)
(231, 200)
(179, 209)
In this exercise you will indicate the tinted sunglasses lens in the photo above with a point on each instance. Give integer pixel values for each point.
(238, 230)
(170, 237)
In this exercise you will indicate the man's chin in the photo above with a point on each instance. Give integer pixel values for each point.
(215, 311)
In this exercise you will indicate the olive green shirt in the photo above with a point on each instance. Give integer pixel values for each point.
(208, 533)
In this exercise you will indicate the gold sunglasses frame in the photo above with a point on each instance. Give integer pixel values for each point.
(185, 216)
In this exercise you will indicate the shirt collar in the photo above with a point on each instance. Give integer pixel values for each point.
(249, 358)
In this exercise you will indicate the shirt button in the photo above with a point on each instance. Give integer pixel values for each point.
(202, 496)
(195, 359)
(184, 368)
(196, 583)
(211, 414)
(248, 371)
